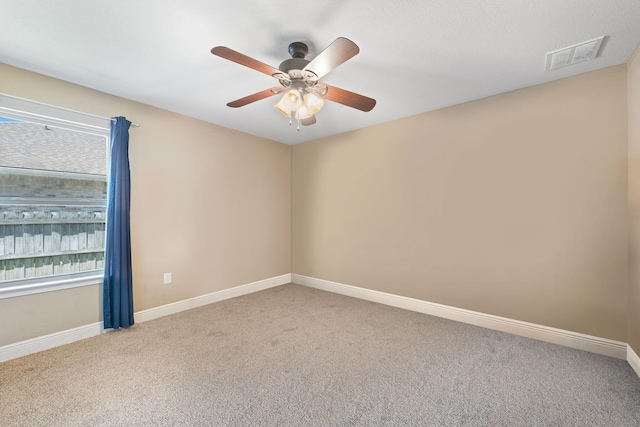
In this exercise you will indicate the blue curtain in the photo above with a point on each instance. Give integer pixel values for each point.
(118, 283)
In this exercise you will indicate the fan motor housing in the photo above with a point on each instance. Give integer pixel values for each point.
(293, 64)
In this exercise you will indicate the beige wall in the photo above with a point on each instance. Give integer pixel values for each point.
(209, 204)
(634, 200)
(514, 205)
(45, 313)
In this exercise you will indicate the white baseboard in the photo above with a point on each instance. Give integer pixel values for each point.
(571, 339)
(544, 333)
(633, 359)
(34, 345)
(176, 307)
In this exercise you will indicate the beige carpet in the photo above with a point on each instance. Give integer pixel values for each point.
(295, 356)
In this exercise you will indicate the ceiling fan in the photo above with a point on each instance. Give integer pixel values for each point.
(299, 80)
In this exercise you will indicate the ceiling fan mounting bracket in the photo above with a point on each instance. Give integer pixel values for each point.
(298, 50)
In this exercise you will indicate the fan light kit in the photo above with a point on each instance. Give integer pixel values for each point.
(303, 96)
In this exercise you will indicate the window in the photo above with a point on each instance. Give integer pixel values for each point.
(53, 188)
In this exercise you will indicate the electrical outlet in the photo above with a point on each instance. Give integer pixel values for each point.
(167, 278)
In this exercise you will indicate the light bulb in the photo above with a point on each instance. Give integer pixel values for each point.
(292, 99)
(313, 103)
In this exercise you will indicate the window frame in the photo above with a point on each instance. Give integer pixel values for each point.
(32, 111)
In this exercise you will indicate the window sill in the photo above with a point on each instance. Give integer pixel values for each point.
(24, 287)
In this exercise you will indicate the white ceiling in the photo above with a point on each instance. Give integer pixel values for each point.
(415, 55)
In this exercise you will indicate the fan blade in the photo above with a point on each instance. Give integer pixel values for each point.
(308, 121)
(335, 54)
(255, 97)
(238, 58)
(350, 99)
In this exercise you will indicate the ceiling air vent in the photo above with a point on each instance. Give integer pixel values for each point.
(575, 54)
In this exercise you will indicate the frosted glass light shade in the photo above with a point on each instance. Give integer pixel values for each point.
(294, 105)
(313, 103)
(282, 108)
(292, 99)
(303, 113)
